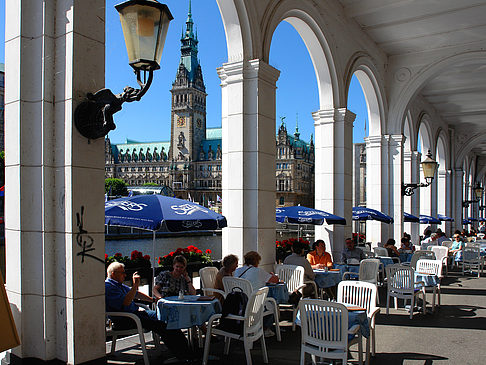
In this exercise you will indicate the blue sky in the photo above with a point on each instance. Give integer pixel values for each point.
(149, 119)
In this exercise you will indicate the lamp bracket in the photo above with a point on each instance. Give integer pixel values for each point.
(408, 189)
(465, 203)
(93, 117)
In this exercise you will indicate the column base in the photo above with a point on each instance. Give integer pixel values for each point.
(11, 359)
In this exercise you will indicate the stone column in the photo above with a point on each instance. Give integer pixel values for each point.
(395, 160)
(333, 173)
(448, 202)
(55, 181)
(248, 160)
(458, 198)
(376, 186)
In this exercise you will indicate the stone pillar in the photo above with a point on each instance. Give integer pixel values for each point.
(443, 197)
(458, 198)
(333, 173)
(248, 160)
(55, 181)
(376, 186)
(396, 143)
(448, 202)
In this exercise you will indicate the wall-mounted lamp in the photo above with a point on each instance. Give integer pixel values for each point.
(145, 24)
(478, 192)
(429, 166)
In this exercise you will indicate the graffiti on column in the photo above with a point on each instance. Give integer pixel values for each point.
(84, 240)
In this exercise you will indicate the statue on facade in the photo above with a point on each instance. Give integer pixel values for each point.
(163, 155)
(148, 155)
(181, 141)
(210, 153)
(218, 153)
(155, 155)
(121, 156)
(134, 155)
(202, 155)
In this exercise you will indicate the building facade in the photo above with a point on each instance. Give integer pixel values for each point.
(190, 163)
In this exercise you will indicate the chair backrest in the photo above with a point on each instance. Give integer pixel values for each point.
(440, 252)
(368, 270)
(400, 278)
(368, 254)
(380, 251)
(473, 244)
(292, 275)
(324, 324)
(254, 312)
(359, 293)
(230, 282)
(421, 254)
(208, 276)
(429, 267)
(447, 244)
(471, 254)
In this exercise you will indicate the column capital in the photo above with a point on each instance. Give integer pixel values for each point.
(395, 139)
(373, 141)
(236, 71)
(326, 116)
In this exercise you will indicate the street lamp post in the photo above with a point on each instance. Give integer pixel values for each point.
(429, 167)
(145, 24)
(478, 192)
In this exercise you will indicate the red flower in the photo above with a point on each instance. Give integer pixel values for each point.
(208, 251)
(198, 251)
(106, 256)
(186, 250)
(146, 257)
(118, 254)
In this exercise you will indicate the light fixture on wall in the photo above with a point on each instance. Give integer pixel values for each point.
(429, 167)
(478, 192)
(145, 24)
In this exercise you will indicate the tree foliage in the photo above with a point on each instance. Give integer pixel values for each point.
(115, 187)
(150, 184)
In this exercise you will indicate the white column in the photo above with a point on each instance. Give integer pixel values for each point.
(248, 160)
(54, 56)
(376, 186)
(458, 198)
(333, 173)
(448, 202)
(396, 143)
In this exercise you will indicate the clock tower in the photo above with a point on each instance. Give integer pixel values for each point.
(188, 114)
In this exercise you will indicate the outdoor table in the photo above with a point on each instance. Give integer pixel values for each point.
(279, 292)
(187, 312)
(406, 256)
(386, 260)
(346, 268)
(354, 317)
(327, 279)
(430, 280)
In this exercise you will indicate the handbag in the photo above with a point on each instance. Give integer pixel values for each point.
(294, 298)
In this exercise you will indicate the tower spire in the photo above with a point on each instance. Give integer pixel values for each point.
(297, 133)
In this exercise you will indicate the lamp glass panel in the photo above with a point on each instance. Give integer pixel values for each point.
(429, 168)
(145, 29)
(478, 191)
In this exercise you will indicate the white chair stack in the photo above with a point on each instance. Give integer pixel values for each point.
(442, 254)
(208, 278)
(471, 259)
(368, 271)
(363, 295)
(325, 331)
(431, 267)
(271, 306)
(293, 276)
(421, 254)
(401, 285)
(252, 327)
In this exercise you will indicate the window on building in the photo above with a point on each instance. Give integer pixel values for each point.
(281, 185)
(281, 200)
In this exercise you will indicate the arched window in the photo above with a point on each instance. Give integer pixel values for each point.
(281, 200)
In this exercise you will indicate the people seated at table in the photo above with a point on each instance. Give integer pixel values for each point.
(351, 253)
(229, 265)
(119, 298)
(297, 258)
(170, 283)
(442, 237)
(457, 246)
(406, 246)
(431, 241)
(390, 247)
(251, 272)
(319, 258)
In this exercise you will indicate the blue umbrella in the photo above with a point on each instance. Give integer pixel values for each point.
(410, 218)
(466, 221)
(304, 215)
(364, 214)
(427, 219)
(158, 212)
(481, 219)
(472, 219)
(445, 218)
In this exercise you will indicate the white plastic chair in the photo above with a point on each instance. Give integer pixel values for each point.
(447, 244)
(208, 278)
(252, 327)
(368, 271)
(364, 295)
(380, 251)
(421, 254)
(330, 342)
(293, 276)
(442, 254)
(401, 285)
(431, 267)
(471, 258)
(271, 306)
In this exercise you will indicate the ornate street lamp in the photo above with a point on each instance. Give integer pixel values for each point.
(429, 167)
(145, 24)
(478, 192)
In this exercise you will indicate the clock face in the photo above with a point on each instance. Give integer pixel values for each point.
(199, 123)
(181, 122)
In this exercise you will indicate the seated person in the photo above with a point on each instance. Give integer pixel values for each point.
(351, 252)
(319, 258)
(170, 283)
(251, 272)
(457, 246)
(230, 263)
(297, 258)
(119, 298)
(406, 246)
(390, 247)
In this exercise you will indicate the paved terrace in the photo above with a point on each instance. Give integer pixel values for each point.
(454, 334)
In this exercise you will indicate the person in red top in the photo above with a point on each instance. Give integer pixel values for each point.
(319, 258)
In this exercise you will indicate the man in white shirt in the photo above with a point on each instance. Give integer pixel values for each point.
(251, 272)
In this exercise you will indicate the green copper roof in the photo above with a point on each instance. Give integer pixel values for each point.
(214, 133)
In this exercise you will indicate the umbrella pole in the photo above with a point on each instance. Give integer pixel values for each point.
(153, 256)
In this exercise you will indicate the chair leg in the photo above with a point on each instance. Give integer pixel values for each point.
(412, 302)
(276, 318)
(373, 341)
(396, 302)
(144, 349)
(113, 344)
(368, 350)
(387, 303)
(434, 293)
(206, 346)
(302, 356)
(227, 343)
(246, 344)
(360, 349)
(425, 303)
(294, 317)
(264, 350)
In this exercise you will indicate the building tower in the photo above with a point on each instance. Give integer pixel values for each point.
(188, 115)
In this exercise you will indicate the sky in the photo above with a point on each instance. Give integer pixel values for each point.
(149, 119)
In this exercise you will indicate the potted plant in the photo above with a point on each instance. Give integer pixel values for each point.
(196, 258)
(284, 248)
(137, 262)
